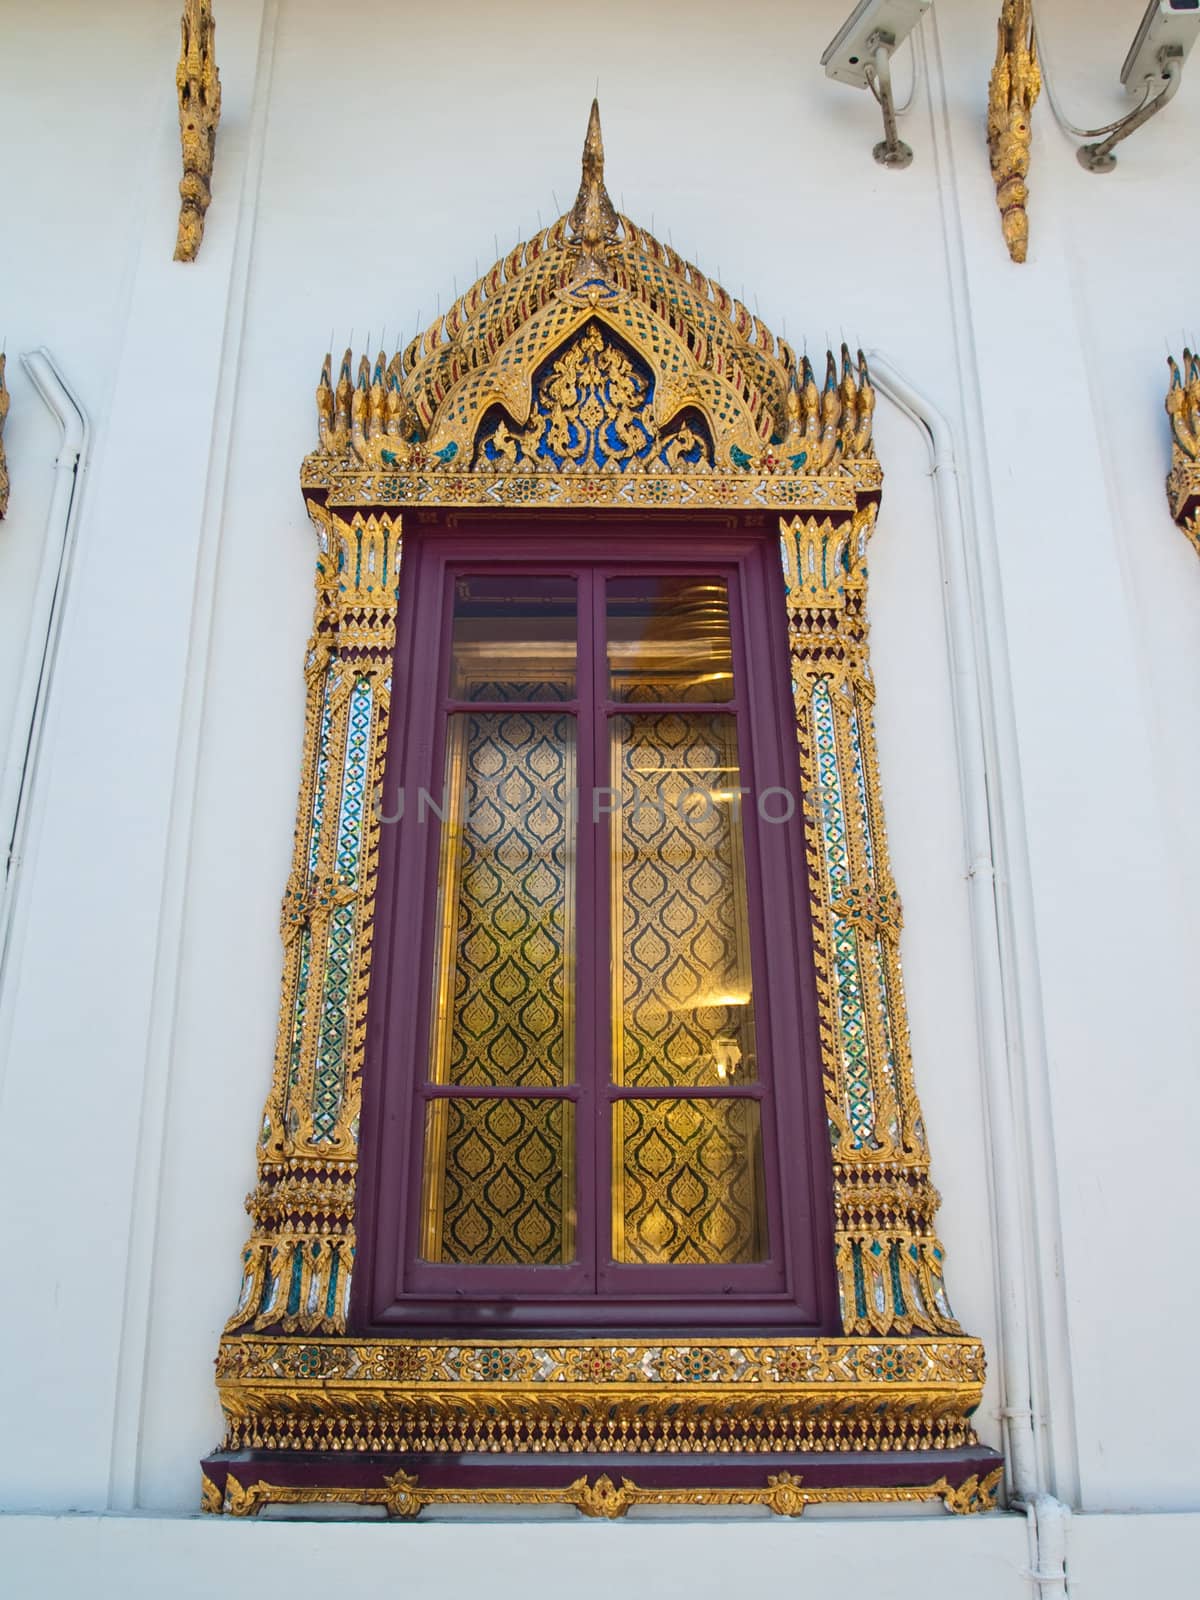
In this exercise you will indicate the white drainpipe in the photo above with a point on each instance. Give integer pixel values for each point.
(37, 665)
(1049, 1522)
(1048, 1516)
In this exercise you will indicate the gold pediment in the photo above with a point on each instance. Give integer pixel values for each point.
(701, 355)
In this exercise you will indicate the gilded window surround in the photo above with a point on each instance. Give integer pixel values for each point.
(413, 432)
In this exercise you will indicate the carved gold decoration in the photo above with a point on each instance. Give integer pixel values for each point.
(199, 87)
(1015, 86)
(889, 1259)
(408, 429)
(592, 367)
(297, 1264)
(402, 1496)
(1183, 408)
(419, 1395)
(4, 404)
(592, 219)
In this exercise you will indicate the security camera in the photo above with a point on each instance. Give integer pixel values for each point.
(1166, 36)
(851, 56)
(1168, 31)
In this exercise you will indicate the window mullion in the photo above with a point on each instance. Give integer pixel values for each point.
(589, 935)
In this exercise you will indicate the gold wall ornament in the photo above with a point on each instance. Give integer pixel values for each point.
(402, 1495)
(591, 367)
(1015, 86)
(889, 1258)
(4, 404)
(199, 87)
(297, 1263)
(402, 1396)
(1183, 481)
(592, 219)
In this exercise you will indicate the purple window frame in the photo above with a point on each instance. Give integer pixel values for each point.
(793, 1289)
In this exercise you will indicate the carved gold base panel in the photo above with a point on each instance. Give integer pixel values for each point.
(245, 1487)
(705, 1397)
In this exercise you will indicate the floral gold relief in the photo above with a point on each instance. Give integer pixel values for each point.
(590, 368)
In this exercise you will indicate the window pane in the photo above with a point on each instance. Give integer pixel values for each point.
(499, 1182)
(504, 967)
(514, 639)
(668, 639)
(687, 1182)
(683, 1009)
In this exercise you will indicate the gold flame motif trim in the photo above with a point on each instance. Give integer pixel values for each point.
(199, 87)
(1015, 86)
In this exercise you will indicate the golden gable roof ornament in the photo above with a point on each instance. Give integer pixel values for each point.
(593, 218)
(593, 365)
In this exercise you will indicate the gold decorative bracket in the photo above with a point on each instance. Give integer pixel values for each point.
(199, 86)
(1183, 481)
(1015, 86)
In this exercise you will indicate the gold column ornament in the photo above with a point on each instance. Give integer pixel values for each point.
(707, 412)
(889, 1258)
(4, 403)
(1183, 482)
(297, 1264)
(1015, 86)
(199, 85)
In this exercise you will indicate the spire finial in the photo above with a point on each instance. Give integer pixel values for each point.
(593, 219)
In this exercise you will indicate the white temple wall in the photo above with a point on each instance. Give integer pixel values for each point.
(365, 164)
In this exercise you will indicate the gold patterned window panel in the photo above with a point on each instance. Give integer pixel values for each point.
(674, 350)
(1183, 408)
(688, 1185)
(504, 969)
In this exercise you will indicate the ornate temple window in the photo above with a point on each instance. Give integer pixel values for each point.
(644, 1212)
(608, 1119)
